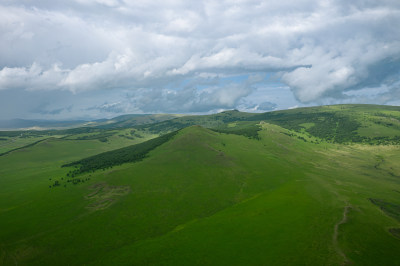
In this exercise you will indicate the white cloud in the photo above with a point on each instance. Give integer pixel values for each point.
(189, 99)
(320, 49)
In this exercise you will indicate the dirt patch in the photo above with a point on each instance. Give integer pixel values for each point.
(104, 195)
(336, 233)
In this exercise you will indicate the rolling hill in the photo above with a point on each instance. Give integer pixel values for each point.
(310, 186)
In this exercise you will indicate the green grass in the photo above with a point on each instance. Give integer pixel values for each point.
(14, 140)
(375, 130)
(13, 143)
(249, 130)
(307, 125)
(205, 198)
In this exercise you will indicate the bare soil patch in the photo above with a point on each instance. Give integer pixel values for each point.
(104, 195)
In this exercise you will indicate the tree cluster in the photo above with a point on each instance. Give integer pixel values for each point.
(109, 159)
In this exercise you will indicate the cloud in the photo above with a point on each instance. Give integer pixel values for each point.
(190, 99)
(173, 54)
(57, 111)
(106, 107)
(356, 64)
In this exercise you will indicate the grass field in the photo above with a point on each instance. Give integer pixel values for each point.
(205, 197)
(11, 143)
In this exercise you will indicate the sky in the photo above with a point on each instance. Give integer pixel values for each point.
(89, 59)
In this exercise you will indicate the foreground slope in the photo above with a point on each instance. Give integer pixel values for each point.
(205, 197)
(310, 206)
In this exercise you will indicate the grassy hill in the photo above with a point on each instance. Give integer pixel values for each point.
(255, 189)
(125, 121)
(372, 124)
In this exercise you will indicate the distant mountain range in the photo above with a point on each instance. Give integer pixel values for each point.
(119, 121)
(13, 124)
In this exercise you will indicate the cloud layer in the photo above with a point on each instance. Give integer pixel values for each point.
(191, 56)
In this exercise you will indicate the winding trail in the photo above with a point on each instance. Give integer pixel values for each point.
(336, 232)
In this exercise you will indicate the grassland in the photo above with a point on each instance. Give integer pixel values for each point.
(208, 197)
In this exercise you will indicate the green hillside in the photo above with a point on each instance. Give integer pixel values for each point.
(310, 186)
(371, 124)
(124, 121)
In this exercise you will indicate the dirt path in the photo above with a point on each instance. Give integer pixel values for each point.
(336, 232)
